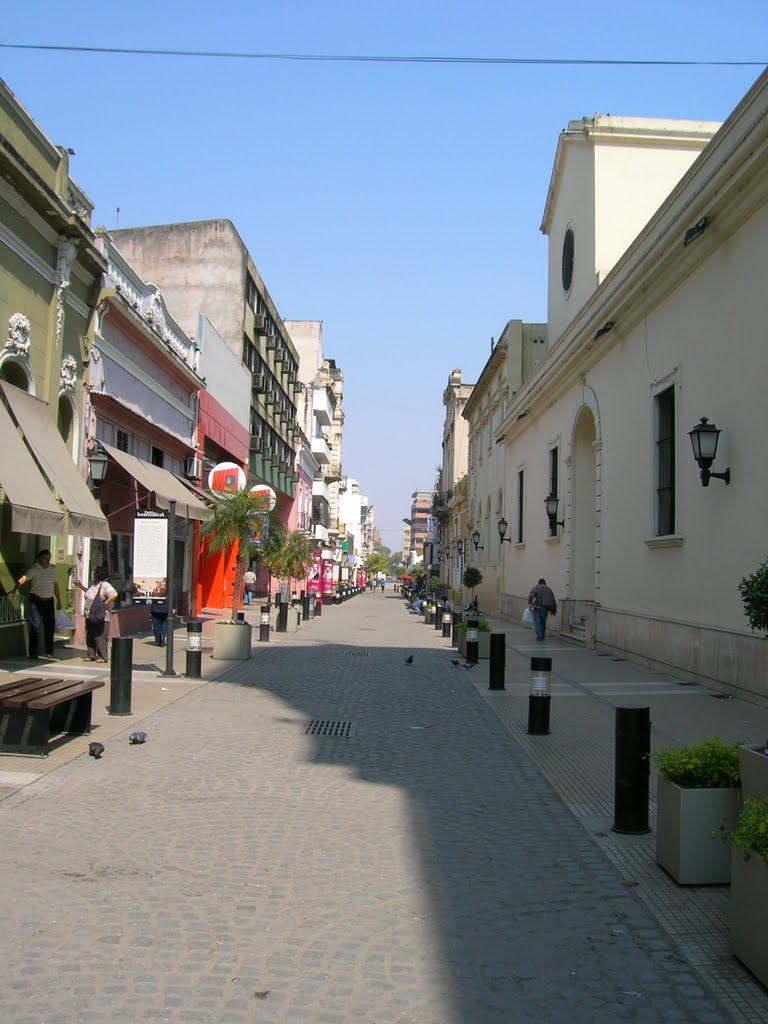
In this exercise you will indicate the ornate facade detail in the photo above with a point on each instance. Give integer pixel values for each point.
(68, 375)
(64, 261)
(18, 335)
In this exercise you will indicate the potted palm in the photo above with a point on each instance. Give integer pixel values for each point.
(290, 559)
(234, 519)
(698, 793)
(749, 886)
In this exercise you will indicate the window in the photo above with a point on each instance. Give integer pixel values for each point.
(157, 456)
(122, 440)
(520, 495)
(665, 462)
(553, 482)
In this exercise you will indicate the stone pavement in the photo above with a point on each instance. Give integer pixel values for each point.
(326, 835)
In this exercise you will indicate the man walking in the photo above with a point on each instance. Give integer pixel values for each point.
(43, 587)
(541, 601)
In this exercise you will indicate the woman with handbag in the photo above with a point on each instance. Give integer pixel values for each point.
(98, 598)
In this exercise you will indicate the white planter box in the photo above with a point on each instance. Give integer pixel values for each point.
(754, 770)
(685, 821)
(749, 912)
(231, 642)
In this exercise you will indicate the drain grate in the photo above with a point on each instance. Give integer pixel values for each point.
(357, 654)
(329, 727)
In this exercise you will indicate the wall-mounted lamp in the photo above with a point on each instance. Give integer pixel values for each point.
(698, 229)
(98, 463)
(503, 524)
(476, 541)
(459, 548)
(550, 503)
(704, 438)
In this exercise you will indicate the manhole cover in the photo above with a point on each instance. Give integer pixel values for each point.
(328, 727)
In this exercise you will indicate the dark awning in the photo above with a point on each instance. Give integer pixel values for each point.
(164, 485)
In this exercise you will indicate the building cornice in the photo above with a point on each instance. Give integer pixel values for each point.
(485, 379)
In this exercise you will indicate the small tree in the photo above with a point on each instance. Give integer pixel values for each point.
(292, 559)
(376, 563)
(754, 594)
(472, 578)
(233, 521)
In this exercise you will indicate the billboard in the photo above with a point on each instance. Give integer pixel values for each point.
(327, 576)
(226, 479)
(150, 556)
(314, 574)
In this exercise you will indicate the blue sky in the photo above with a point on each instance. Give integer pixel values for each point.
(398, 203)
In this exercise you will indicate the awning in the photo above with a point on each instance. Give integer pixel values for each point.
(164, 485)
(33, 508)
(34, 417)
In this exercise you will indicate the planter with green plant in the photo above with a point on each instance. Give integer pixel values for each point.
(472, 579)
(749, 886)
(753, 760)
(697, 794)
(483, 638)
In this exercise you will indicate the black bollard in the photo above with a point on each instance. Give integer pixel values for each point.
(264, 624)
(194, 652)
(540, 699)
(439, 615)
(632, 770)
(318, 605)
(446, 624)
(497, 666)
(120, 675)
(281, 626)
(304, 607)
(454, 629)
(472, 641)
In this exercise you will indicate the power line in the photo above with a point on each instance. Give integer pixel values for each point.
(381, 59)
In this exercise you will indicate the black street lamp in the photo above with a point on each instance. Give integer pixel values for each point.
(550, 503)
(503, 524)
(704, 438)
(476, 541)
(98, 463)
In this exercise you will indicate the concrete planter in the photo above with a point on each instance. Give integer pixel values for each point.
(754, 770)
(685, 821)
(232, 642)
(461, 641)
(483, 643)
(749, 912)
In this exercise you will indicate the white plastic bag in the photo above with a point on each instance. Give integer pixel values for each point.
(62, 623)
(528, 617)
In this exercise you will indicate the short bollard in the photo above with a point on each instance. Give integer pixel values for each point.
(439, 615)
(194, 651)
(455, 629)
(264, 624)
(120, 675)
(540, 698)
(632, 770)
(312, 599)
(318, 605)
(241, 616)
(446, 624)
(472, 641)
(429, 618)
(281, 625)
(497, 666)
(304, 607)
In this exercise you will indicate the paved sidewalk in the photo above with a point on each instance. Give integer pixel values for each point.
(406, 859)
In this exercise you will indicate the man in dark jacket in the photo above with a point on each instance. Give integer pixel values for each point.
(541, 601)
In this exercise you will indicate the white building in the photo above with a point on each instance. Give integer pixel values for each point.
(649, 334)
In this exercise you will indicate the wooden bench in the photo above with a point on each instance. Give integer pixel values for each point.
(34, 709)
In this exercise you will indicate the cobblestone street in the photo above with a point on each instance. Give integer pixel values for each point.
(412, 864)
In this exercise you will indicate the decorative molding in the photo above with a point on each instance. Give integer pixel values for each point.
(18, 335)
(64, 261)
(68, 375)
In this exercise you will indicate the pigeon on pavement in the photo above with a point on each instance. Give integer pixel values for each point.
(137, 737)
(455, 661)
(409, 660)
(96, 750)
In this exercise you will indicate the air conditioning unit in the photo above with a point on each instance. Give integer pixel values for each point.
(271, 340)
(279, 355)
(268, 454)
(256, 443)
(269, 398)
(257, 382)
(193, 468)
(259, 322)
(291, 376)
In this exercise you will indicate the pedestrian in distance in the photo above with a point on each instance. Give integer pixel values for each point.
(382, 584)
(249, 586)
(158, 613)
(40, 613)
(96, 609)
(542, 603)
(416, 607)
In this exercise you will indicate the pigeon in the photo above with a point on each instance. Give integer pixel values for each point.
(409, 660)
(137, 737)
(469, 664)
(96, 750)
(455, 661)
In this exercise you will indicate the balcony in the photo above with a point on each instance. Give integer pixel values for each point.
(321, 407)
(320, 489)
(320, 450)
(320, 533)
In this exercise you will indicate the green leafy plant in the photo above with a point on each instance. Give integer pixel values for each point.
(712, 764)
(750, 837)
(754, 594)
(483, 626)
(234, 521)
(472, 578)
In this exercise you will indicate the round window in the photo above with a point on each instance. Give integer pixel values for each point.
(567, 268)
